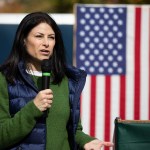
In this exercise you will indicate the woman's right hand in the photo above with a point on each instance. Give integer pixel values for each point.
(43, 100)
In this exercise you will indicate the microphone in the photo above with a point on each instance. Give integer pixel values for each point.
(46, 73)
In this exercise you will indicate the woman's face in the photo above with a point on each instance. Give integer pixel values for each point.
(40, 43)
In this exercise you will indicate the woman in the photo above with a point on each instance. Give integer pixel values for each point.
(23, 105)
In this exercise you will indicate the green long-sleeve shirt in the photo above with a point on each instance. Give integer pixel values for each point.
(12, 130)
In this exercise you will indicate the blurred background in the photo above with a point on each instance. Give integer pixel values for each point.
(55, 6)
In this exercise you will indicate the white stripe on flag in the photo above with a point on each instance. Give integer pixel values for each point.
(115, 101)
(100, 107)
(144, 64)
(85, 103)
(130, 63)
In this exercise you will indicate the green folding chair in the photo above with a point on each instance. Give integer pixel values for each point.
(132, 134)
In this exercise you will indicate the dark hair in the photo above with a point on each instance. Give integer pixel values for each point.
(19, 53)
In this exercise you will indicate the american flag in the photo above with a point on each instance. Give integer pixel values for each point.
(112, 43)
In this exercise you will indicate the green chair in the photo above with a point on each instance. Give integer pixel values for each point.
(132, 134)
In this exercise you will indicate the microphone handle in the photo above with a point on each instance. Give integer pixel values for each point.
(45, 85)
(45, 82)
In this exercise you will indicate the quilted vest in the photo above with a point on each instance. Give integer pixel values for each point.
(27, 92)
(17, 100)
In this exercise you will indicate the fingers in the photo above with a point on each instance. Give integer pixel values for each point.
(44, 99)
(47, 101)
(108, 144)
(44, 104)
(97, 145)
(46, 92)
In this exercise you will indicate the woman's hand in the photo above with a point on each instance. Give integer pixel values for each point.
(97, 145)
(43, 100)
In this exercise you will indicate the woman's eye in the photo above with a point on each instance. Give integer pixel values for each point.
(38, 36)
(51, 37)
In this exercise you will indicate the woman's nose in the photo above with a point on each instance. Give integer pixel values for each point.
(46, 42)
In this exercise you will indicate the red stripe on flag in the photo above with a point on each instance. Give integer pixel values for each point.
(137, 63)
(122, 96)
(93, 105)
(107, 109)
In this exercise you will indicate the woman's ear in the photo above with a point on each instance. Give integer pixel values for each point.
(24, 42)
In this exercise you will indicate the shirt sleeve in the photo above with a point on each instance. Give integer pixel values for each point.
(81, 137)
(14, 129)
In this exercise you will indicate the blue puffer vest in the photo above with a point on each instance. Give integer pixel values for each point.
(27, 91)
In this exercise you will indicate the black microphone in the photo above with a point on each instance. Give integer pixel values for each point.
(46, 73)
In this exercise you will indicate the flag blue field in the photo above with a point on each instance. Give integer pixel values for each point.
(101, 47)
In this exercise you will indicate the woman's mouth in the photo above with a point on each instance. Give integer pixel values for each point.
(44, 52)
